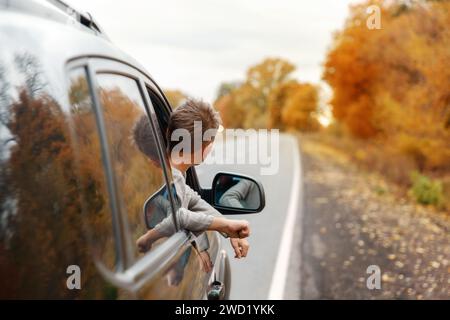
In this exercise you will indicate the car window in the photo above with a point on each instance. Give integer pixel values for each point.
(42, 216)
(91, 176)
(160, 110)
(134, 153)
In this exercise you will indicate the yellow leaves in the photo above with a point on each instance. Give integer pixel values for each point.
(175, 97)
(246, 105)
(293, 105)
(268, 98)
(300, 108)
(394, 82)
(266, 75)
(232, 112)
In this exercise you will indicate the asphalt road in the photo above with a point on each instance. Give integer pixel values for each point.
(325, 223)
(263, 273)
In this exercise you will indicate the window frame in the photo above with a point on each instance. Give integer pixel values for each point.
(123, 250)
(191, 174)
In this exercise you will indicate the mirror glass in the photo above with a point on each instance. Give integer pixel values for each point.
(236, 192)
(157, 208)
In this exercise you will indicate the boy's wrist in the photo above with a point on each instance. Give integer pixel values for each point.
(218, 224)
(153, 235)
(221, 225)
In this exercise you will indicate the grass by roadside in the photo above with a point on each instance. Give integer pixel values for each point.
(390, 175)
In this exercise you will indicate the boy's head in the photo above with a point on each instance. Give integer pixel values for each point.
(145, 140)
(191, 121)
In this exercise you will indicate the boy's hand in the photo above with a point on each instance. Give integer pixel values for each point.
(238, 228)
(233, 228)
(144, 243)
(240, 247)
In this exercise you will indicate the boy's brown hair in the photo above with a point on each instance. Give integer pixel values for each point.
(186, 116)
(144, 139)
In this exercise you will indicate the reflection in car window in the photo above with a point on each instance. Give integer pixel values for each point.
(41, 217)
(91, 174)
(138, 175)
(158, 105)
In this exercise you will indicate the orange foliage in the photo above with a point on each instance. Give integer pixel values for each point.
(293, 105)
(394, 83)
(268, 98)
(175, 97)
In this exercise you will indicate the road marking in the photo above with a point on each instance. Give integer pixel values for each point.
(279, 276)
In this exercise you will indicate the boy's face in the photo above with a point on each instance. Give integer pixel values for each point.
(207, 149)
(181, 157)
(198, 156)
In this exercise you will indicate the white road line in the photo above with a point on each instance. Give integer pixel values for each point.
(279, 276)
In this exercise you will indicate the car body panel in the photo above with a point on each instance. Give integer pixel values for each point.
(38, 240)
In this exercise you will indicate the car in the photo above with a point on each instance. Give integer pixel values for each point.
(75, 192)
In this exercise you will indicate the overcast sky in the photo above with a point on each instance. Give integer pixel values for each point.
(197, 44)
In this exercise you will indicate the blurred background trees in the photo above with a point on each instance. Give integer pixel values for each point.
(391, 88)
(390, 93)
(268, 98)
(393, 83)
(175, 97)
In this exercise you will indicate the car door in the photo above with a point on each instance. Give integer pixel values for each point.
(172, 269)
(209, 243)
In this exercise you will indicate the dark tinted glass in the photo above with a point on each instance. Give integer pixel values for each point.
(136, 163)
(42, 220)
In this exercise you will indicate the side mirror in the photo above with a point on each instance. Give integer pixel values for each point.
(237, 194)
(156, 208)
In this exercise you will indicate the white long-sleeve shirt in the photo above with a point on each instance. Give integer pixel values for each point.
(195, 214)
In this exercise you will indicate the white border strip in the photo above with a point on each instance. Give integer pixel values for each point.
(279, 277)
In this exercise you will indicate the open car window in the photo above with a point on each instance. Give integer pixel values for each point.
(134, 153)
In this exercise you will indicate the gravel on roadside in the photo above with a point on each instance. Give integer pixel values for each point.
(352, 221)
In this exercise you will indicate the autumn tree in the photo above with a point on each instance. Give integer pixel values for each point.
(351, 69)
(226, 88)
(43, 216)
(392, 83)
(294, 105)
(175, 97)
(246, 105)
(232, 112)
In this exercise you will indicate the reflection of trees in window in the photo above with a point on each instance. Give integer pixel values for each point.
(7, 202)
(79, 97)
(137, 178)
(43, 234)
(28, 65)
(91, 175)
(4, 96)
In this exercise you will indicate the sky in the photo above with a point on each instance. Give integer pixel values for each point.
(195, 45)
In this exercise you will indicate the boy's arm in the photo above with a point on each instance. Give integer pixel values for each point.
(190, 220)
(197, 204)
(237, 193)
(199, 222)
(201, 216)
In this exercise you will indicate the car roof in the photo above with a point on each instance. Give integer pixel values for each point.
(52, 24)
(56, 10)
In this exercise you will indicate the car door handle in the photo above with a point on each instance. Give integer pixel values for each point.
(216, 291)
